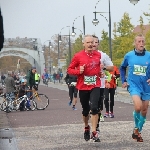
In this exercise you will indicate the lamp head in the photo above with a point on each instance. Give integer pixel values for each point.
(73, 34)
(134, 1)
(60, 39)
(95, 22)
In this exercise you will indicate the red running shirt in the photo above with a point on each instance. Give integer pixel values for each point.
(91, 69)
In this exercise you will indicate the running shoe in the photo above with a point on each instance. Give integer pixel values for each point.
(70, 102)
(106, 115)
(139, 138)
(74, 108)
(111, 115)
(101, 118)
(136, 135)
(95, 137)
(98, 131)
(87, 133)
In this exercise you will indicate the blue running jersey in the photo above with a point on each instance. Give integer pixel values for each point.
(138, 71)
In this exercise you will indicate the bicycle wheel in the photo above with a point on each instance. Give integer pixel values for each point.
(30, 105)
(42, 101)
(2, 102)
(3, 105)
(6, 106)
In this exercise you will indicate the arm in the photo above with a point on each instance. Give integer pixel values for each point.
(108, 65)
(117, 73)
(123, 68)
(74, 64)
(66, 78)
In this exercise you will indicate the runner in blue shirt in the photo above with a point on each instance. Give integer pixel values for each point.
(138, 79)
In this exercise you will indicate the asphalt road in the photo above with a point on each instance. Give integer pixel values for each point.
(58, 127)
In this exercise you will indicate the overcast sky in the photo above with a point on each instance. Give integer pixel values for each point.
(44, 18)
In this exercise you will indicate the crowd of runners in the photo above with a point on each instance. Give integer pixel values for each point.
(92, 74)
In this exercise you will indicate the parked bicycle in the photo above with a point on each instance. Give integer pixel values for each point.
(42, 101)
(11, 104)
(36, 101)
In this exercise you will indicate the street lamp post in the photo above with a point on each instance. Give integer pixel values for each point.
(73, 32)
(75, 28)
(59, 37)
(49, 60)
(134, 1)
(95, 22)
(69, 42)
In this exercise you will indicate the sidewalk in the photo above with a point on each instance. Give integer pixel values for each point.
(7, 139)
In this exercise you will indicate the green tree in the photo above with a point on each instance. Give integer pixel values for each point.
(123, 39)
(77, 45)
(141, 24)
(147, 15)
(147, 46)
(104, 42)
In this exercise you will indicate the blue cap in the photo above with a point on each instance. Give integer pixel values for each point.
(22, 80)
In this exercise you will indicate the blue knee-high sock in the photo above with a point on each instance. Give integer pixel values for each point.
(141, 122)
(136, 116)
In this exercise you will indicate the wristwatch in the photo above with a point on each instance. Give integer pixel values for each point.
(104, 68)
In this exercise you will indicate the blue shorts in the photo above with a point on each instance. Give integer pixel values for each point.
(143, 91)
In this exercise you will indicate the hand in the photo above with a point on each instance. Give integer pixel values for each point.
(102, 75)
(124, 85)
(82, 69)
(113, 76)
(148, 81)
(107, 85)
(102, 66)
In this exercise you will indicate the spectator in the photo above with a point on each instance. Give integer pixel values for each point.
(22, 91)
(37, 78)
(3, 79)
(61, 76)
(17, 82)
(31, 82)
(10, 83)
(54, 77)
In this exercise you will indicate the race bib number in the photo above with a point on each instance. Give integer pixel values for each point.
(139, 70)
(36, 82)
(90, 80)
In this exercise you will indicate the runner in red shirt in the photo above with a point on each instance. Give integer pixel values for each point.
(86, 66)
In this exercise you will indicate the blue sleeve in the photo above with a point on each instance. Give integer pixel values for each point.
(123, 68)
